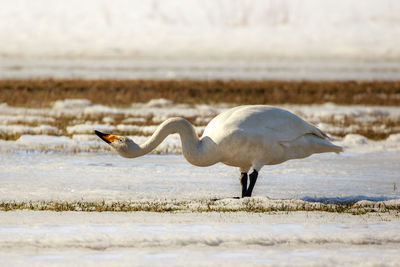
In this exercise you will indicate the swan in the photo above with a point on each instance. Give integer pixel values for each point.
(246, 137)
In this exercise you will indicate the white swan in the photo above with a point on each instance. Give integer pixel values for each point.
(247, 137)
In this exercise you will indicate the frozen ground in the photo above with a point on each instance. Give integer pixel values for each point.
(187, 239)
(54, 167)
(97, 177)
(59, 142)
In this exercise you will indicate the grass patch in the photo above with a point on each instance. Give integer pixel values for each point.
(240, 205)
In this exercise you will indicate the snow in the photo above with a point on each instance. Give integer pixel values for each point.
(259, 39)
(159, 103)
(27, 175)
(355, 139)
(4, 119)
(21, 129)
(196, 29)
(182, 239)
(71, 104)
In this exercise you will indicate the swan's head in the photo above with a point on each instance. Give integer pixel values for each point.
(122, 144)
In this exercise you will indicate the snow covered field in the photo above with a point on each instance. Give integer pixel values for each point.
(223, 39)
(48, 165)
(185, 239)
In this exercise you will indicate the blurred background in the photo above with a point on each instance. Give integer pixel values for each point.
(200, 39)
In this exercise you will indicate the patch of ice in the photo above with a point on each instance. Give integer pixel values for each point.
(71, 104)
(46, 143)
(394, 138)
(7, 119)
(159, 103)
(43, 140)
(108, 120)
(354, 139)
(85, 137)
(22, 129)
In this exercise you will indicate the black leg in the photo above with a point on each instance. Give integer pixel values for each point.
(243, 182)
(253, 179)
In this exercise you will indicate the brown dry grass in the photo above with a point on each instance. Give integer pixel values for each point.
(40, 93)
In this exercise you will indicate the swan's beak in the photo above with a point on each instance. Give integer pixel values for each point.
(108, 138)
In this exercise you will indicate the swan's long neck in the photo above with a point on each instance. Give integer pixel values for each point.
(198, 152)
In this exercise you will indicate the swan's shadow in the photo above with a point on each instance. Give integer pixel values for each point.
(222, 198)
(347, 199)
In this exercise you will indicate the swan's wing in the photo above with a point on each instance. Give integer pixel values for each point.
(290, 127)
(283, 125)
(271, 123)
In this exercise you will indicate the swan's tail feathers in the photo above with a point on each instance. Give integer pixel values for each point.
(337, 149)
(329, 147)
(322, 145)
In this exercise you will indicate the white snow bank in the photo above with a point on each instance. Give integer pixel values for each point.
(82, 143)
(22, 129)
(394, 138)
(354, 139)
(100, 110)
(85, 137)
(360, 144)
(7, 119)
(43, 140)
(194, 29)
(45, 143)
(102, 237)
(181, 239)
(337, 113)
(71, 104)
(159, 103)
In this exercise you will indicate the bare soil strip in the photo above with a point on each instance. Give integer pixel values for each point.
(40, 93)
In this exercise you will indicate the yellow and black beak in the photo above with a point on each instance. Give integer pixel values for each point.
(108, 138)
